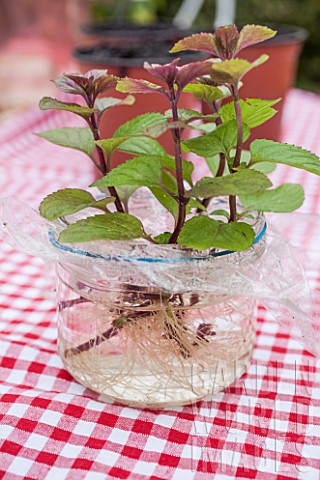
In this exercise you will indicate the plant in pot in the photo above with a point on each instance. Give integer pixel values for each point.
(157, 275)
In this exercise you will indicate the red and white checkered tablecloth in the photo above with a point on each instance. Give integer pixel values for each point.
(266, 426)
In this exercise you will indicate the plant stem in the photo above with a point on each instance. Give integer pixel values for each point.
(222, 158)
(237, 158)
(102, 161)
(176, 135)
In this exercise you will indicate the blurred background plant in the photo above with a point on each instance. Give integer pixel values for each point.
(305, 14)
(36, 37)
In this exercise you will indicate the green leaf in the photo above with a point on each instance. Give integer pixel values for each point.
(140, 124)
(124, 191)
(163, 238)
(187, 115)
(105, 103)
(207, 93)
(286, 198)
(166, 200)
(169, 181)
(187, 167)
(48, 103)
(194, 204)
(109, 145)
(69, 200)
(231, 71)
(254, 111)
(143, 146)
(222, 140)
(264, 167)
(205, 127)
(240, 183)
(77, 138)
(219, 212)
(270, 151)
(213, 164)
(143, 171)
(111, 226)
(202, 233)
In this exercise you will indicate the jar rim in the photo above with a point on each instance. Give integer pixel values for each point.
(153, 259)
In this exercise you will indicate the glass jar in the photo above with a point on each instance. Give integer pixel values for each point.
(157, 331)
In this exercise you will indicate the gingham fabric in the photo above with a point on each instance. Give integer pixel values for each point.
(265, 426)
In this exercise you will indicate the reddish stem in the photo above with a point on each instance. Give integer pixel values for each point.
(103, 164)
(237, 158)
(176, 135)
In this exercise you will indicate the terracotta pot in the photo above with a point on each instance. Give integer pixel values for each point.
(124, 58)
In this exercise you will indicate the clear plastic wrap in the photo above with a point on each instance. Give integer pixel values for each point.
(150, 325)
(278, 278)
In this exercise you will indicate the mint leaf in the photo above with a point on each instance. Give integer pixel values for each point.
(48, 103)
(205, 42)
(69, 200)
(77, 138)
(187, 167)
(254, 111)
(202, 233)
(111, 226)
(105, 103)
(169, 181)
(132, 85)
(253, 34)
(242, 182)
(219, 212)
(163, 237)
(166, 201)
(222, 140)
(188, 115)
(143, 146)
(109, 145)
(270, 151)
(143, 171)
(286, 198)
(140, 124)
(231, 71)
(192, 204)
(207, 93)
(264, 167)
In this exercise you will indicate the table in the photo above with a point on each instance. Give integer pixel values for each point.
(266, 426)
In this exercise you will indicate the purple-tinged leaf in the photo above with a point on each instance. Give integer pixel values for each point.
(166, 73)
(93, 82)
(131, 85)
(102, 82)
(226, 41)
(252, 34)
(204, 42)
(231, 71)
(68, 85)
(190, 72)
